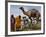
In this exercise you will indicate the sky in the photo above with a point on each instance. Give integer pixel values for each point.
(14, 9)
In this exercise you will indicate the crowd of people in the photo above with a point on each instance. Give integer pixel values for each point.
(17, 23)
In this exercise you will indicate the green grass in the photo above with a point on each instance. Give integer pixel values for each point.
(32, 27)
(36, 27)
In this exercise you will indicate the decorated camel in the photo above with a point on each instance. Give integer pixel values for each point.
(31, 13)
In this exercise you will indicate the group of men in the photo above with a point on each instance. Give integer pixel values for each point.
(15, 23)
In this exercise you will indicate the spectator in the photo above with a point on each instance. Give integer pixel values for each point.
(12, 23)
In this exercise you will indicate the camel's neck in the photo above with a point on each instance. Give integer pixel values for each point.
(23, 10)
(25, 13)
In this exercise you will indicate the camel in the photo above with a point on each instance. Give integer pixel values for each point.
(31, 13)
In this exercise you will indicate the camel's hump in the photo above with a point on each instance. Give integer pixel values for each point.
(33, 10)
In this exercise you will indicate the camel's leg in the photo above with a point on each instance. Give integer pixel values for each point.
(37, 19)
(33, 22)
(30, 19)
(30, 22)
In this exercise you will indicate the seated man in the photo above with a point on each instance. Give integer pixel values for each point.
(18, 23)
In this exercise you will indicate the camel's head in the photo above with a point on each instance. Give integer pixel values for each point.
(21, 8)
